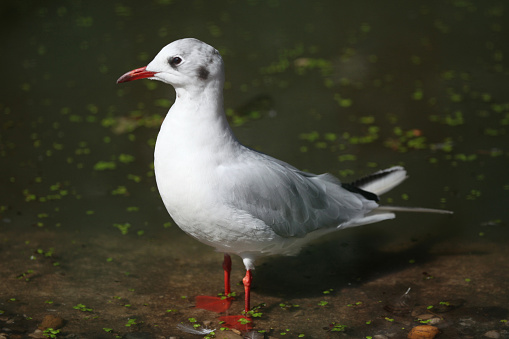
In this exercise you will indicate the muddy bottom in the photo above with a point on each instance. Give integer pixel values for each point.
(355, 285)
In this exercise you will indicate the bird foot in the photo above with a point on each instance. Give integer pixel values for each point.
(214, 304)
(238, 322)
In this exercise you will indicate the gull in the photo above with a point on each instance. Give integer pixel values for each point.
(233, 198)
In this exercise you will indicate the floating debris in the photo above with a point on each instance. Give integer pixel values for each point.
(190, 329)
(400, 305)
(254, 335)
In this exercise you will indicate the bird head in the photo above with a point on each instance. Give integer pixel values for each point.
(183, 63)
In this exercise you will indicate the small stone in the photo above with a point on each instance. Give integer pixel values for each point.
(227, 335)
(492, 334)
(423, 332)
(51, 321)
(380, 336)
(37, 334)
(418, 310)
(434, 321)
(467, 322)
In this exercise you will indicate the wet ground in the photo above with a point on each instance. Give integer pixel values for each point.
(330, 87)
(460, 289)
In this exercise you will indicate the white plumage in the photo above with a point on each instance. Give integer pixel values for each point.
(231, 197)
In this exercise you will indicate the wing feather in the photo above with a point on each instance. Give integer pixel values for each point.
(291, 202)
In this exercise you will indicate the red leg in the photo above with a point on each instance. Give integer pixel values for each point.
(241, 322)
(247, 289)
(227, 267)
(218, 304)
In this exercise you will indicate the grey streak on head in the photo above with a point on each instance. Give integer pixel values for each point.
(203, 73)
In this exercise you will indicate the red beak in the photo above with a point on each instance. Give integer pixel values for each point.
(135, 74)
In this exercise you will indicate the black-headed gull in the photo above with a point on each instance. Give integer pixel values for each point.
(231, 197)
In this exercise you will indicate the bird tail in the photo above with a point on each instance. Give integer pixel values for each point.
(385, 180)
(411, 209)
(382, 181)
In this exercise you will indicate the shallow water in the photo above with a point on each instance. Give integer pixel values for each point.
(345, 88)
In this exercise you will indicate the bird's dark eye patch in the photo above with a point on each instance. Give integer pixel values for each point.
(174, 61)
(203, 73)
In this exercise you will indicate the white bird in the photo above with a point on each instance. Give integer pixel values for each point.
(234, 198)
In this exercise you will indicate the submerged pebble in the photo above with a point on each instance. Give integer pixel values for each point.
(51, 321)
(492, 334)
(423, 332)
(435, 321)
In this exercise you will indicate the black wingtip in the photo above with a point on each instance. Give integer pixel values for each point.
(354, 189)
(376, 176)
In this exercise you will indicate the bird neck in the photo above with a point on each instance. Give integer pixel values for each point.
(201, 99)
(197, 121)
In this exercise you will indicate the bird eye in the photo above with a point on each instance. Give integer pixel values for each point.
(175, 61)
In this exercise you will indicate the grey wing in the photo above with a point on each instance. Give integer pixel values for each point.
(291, 202)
